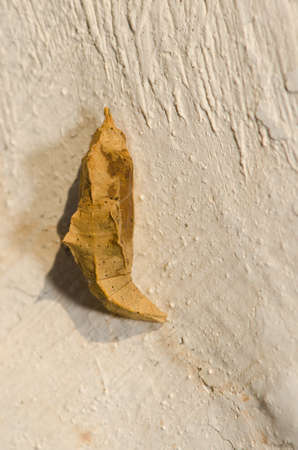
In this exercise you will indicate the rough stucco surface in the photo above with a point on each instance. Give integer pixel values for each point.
(206, 92)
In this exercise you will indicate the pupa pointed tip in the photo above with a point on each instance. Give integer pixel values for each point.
(107, 112)
(108, 117)
(128, 301)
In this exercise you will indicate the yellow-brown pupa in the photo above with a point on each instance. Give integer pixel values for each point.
(100, 235)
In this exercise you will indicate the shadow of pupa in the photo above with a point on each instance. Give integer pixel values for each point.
(66, 285)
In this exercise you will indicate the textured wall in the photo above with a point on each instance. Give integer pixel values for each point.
(206, 92)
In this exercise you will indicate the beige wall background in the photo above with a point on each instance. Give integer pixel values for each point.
(206, 93)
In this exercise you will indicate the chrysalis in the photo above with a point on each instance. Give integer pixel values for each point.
(101, 230)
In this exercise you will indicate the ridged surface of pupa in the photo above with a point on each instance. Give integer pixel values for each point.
(100, 236)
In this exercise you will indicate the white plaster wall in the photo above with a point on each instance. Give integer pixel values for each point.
(206, 92)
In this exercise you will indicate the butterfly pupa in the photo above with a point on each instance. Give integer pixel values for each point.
(100, 235)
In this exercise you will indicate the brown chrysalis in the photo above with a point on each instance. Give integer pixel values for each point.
(100, 236)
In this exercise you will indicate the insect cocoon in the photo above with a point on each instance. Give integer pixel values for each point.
(100, 235)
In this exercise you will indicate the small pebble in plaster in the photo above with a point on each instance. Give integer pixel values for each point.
(64, 91)
(184, 241)
(101, 230)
